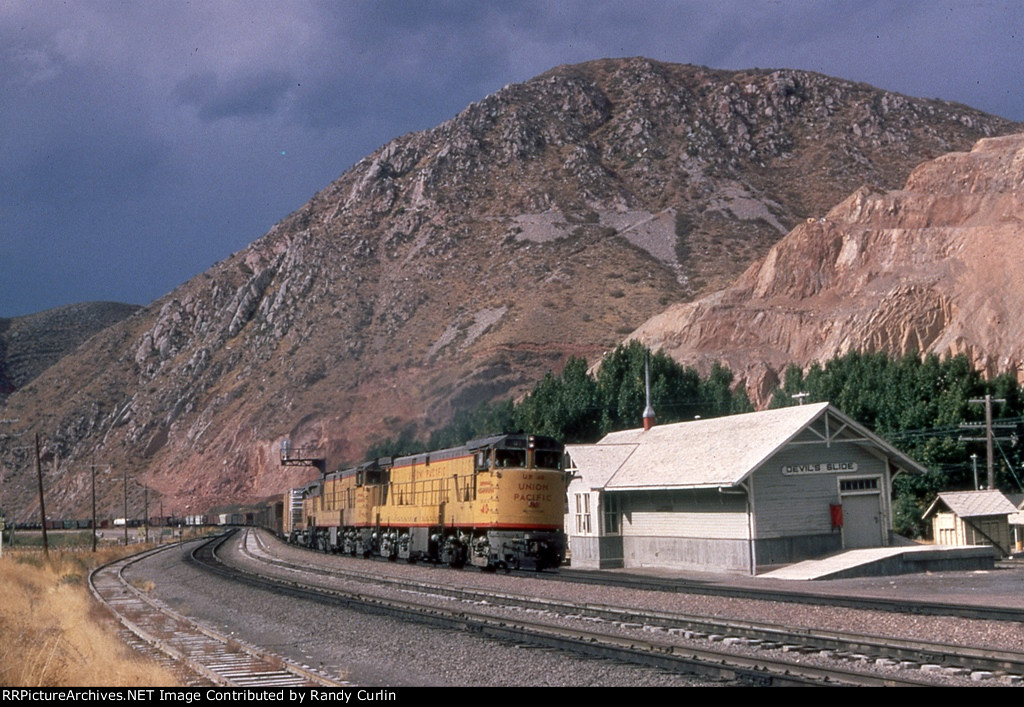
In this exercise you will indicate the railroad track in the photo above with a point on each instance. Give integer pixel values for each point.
(215, 658)
(952, 658)
(620, 634)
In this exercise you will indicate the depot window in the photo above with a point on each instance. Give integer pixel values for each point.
(859, 484)
(582, 514)
(611, 512)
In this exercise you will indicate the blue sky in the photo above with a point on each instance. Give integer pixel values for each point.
(141, 142)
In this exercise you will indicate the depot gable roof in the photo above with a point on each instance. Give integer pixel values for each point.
(717, 452)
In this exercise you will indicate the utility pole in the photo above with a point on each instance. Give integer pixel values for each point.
(94, 467)
(42, 504)
(988, 441)
(93, 527)
(126, 505)
(145, 516)
(989, 437)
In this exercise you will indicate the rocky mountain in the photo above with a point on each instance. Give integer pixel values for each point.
(457, 264)
(30, 344)
(934, 267)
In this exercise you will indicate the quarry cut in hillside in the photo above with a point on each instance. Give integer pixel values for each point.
(934, 267)
(459, 264)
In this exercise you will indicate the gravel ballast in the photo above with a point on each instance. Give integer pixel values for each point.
(373, 650)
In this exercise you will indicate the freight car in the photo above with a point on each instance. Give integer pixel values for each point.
(496, 503)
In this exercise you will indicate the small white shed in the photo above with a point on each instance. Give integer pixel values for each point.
(972, 518)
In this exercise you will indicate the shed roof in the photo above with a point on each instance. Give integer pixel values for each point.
(973, 504)
(715, 452)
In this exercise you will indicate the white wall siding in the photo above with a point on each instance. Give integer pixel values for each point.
(690, 514)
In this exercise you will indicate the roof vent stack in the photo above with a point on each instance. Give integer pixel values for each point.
(649, 410)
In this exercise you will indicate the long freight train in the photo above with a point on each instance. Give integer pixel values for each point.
(496, 502)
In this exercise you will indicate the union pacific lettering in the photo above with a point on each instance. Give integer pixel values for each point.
(535, 492)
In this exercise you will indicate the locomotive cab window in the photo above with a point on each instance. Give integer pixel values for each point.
(504, 458)
(547, 459)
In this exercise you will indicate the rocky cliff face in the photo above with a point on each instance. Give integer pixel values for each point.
(934, 267)
(454, 265)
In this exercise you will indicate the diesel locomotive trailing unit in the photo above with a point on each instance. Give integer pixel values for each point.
(496, 502)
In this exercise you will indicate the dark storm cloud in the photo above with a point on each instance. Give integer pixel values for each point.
(398, 63)
(141, 142)
(255, 94)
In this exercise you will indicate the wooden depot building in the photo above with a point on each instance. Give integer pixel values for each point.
(737, 494)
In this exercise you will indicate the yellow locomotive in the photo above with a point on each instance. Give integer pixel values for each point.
(495, 502)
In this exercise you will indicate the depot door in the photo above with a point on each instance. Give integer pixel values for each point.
(862, 520)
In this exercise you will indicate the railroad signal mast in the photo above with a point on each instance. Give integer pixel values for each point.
(303, 456)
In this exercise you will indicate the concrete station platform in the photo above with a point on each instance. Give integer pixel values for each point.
(885, 561)
(973, 578)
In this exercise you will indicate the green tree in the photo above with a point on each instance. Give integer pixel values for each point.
(564, 406)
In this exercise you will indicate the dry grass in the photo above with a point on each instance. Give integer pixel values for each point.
(56, 635)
